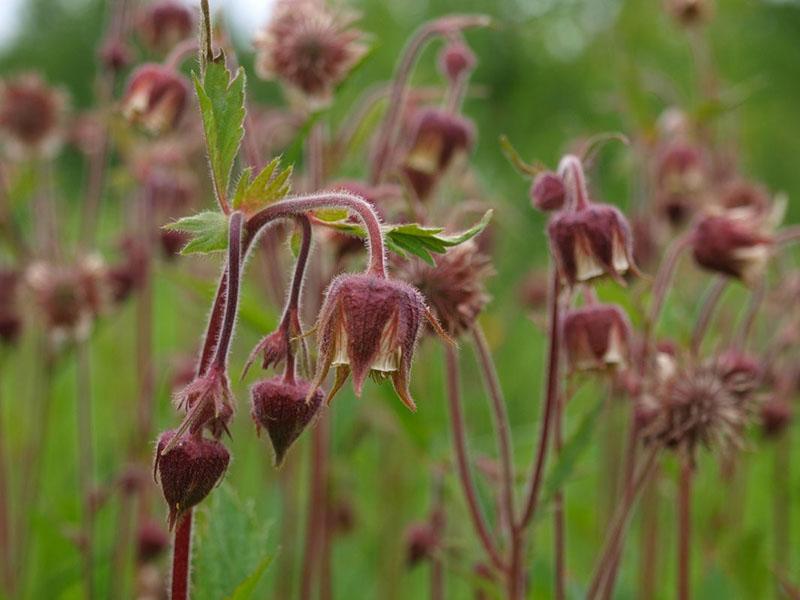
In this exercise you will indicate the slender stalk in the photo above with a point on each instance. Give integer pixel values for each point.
(85, 463)
(182, 557)
(751, 314)
(316, 509)
(386, 138)
(706, 313)
(554, 354)
(233, 270)
(685, 529)
(649, 552)
(6, 536)
(663, 277)
(782, 505)
(462, 459)
(559, 525)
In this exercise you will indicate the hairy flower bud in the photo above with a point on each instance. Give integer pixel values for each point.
(309, 48)
(369, 324)
(437, 136)
(32, 117)
(164, 23)
(284, 409)
(591, 242)
(208, 402)
(188, 471)
(547, 192)
(155, 97)
(732, 246)
(596, 336)
(456, 59)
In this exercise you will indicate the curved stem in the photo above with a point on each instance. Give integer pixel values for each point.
(85, 464)
(397, 99)
(749, 318)
(316, 509)
(182, 557)
(706, 313)
(291, 313)
(554, 354)
(232, 304)
(462, 460)
(571, 171)
(299, 205)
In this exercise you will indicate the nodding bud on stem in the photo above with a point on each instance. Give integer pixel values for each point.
(596, 337)
(208, 402)
(155, 98)
(369, 325)
(689, 12)
(731, 245)
(437, 136)
(164, 23)
(284, 409)
(189, 471)
(547, 191)
(456, 60)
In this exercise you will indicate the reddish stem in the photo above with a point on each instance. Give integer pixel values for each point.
(182, 557)
(5, 521)
(462, 459)
(316, 509)
(85, 463)
(291, 314)
(233, 270)
(706, 313)
(559, 527)
(571, 171)
(685, 529)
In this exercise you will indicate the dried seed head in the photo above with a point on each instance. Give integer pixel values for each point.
(309, 48)
(155, 98)
(698, 407)
(437, 136)
(188, 471)
(547, 192)
(422, 540)
(10, 316)
(32, 117)
(284, 409)
(776, 415)
(456, 59)
(591, 242)
(596, 337)
(151, 541)
(732, 246)
(369, 324)
(454, 286)
(164, 23)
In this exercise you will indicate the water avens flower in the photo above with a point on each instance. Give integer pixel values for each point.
(32, 117)
(284, 408)
(596, 337)
(164, 23)
(155, 98)
(547, 191)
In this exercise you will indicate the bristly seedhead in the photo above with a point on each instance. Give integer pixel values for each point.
(32, 116)
(456, 60)
(369, 324)
(596, 337)
(284, 409)
(732, 246)
(189, 471)
(437, 136)
(454, 287)
(309, 48)
(155, 98)
(547, 192)
(592, 242)
(164, 23)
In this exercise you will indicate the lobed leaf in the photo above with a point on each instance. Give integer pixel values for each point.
(270, 185)
(208, 231)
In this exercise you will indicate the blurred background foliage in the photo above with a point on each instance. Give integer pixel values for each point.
(550, 72)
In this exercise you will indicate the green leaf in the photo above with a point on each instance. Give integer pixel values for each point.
(208, 230)
(222, 107)
(572, 451)
(269, 186)
(245, 590)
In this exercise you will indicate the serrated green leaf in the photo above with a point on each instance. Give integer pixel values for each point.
(208, 230)
(222, 108)
(455, 240)
(570, 454)
(269, 186)
(245, 590)
(331, 215)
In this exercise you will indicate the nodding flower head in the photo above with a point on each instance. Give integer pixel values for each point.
(731, 245)
(456, 59)
(454, 286)
(681, 168)
(744, 198)
(309, 48)
(369, 325)
(155, 98)
(32, 116)
(547, 191)
(10, 317)
(189, 471)
(208, 402)
(437, 136)
(596, 337)
(284, 409)
(696, 406)
(115, 55)
(591, 242)
(164, 23)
